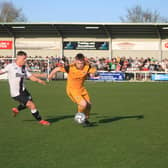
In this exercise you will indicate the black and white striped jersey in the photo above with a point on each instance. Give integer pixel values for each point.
(16, 76)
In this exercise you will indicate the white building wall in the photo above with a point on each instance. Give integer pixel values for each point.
(120, 47)
(136, 48)
(40, 46)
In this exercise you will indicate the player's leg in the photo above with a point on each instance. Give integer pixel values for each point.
(86, 97)
(82, 105)
(85, 107)
(77, 98)
(31, 105)
(21, 105)
(16, 110)
(22, 99)
(87, 110)
(26, 101)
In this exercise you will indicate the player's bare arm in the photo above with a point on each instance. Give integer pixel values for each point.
(94, 75)
(35, 79)
(40, 75)
(2, 72)
(53, 72)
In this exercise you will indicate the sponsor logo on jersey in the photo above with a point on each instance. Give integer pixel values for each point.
(22, 75)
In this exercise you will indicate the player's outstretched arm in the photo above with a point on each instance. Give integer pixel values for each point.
(52, 73)
(94, 76)
(40, 75)
(93, 73)
(2, 72)
(35, 79)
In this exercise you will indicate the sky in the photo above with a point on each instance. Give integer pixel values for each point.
(84, 10)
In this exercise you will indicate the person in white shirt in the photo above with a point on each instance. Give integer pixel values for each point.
(17, 72)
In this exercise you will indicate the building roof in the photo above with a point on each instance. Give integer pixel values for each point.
(99, 30)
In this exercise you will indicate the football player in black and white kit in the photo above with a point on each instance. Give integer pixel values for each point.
(17, 72)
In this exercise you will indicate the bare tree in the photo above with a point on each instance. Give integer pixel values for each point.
(137, 14)
(9, 13)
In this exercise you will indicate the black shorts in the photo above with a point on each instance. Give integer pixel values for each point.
(24, 97)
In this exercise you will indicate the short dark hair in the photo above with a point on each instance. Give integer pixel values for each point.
(20, 53)
(80, 56)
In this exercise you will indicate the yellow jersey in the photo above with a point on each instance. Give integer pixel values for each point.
(76, 77)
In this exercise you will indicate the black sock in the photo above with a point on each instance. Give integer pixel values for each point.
(21, 107)
(37, 116)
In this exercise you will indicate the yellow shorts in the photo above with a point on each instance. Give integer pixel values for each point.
(77, 95)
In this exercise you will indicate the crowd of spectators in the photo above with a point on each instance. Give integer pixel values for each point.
(40, 64)
(129, 64)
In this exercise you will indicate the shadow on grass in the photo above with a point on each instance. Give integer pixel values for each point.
(105, 119)
(108, 120)
(58, 118)
(55, 119)
(61, 117)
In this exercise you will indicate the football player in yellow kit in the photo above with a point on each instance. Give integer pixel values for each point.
(77, 73)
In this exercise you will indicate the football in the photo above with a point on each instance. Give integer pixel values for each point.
(80, 117)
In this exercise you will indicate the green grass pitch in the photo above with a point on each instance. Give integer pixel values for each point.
(130, 128)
